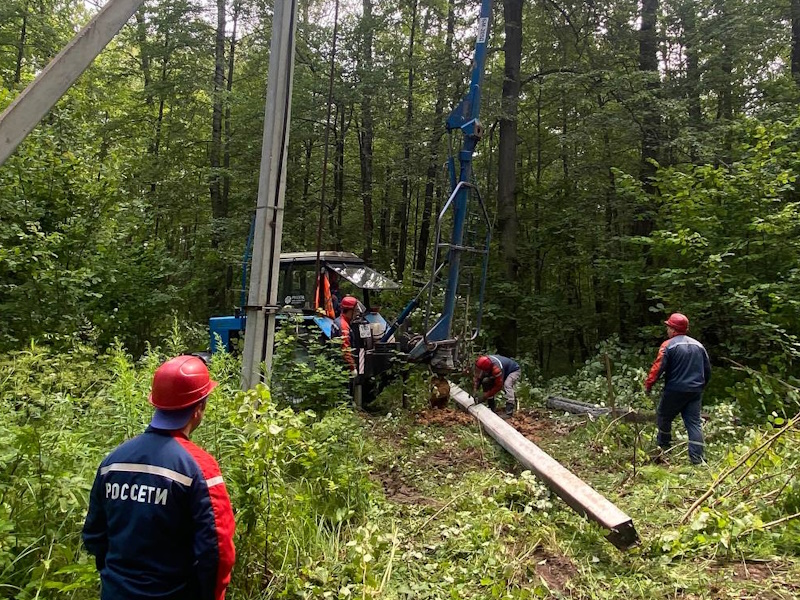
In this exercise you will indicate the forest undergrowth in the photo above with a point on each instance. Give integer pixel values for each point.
(410, 503)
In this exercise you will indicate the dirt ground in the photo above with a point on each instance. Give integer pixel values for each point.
(398, 490)
(554, 570)
(443, 417)
(533, 424)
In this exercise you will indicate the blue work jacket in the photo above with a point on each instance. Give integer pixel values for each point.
(160, 523)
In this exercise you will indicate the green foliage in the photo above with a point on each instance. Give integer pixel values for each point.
(332, 505)
(298, 481)
(725, 246)
(590, 383)
(310, 371)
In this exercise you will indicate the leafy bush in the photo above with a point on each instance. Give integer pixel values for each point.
(308, 372)
(298, 481)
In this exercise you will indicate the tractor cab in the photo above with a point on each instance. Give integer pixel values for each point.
(341, 274)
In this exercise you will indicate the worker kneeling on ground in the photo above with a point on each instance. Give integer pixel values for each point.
(683, 361)
(497, 373)
(160, 523)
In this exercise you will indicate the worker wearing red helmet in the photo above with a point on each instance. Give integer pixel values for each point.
(497, 373)
(684, 364)
(342, 328)
(160, 523)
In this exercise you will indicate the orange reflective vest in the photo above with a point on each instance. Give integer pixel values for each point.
(327, 297)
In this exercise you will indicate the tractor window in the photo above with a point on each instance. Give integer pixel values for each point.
(297, 287)
(302, 289)
(364, 278)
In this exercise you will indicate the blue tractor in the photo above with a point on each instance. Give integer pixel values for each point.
(341, 273)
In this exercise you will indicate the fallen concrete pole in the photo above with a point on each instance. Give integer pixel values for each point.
(576, 407)
(578, 495)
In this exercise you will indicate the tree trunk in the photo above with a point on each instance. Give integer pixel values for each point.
(383, 232)
(366, 134)
(308, 146)
(217, 207)
(506, 168)
(338, 176)
(403, 209)
(155, 146)
(226, 158)
(651, 119)
(796, 41)
(689, 19)
(21, 44)
(436, 138)
(724, 82)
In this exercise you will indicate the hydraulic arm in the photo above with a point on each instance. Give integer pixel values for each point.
(439, 342)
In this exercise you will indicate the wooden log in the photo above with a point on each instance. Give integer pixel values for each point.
(576, 407)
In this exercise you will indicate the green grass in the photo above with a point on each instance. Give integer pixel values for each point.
(476, 534)
(346, 505)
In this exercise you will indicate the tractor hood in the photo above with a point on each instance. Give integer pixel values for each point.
(363, 277)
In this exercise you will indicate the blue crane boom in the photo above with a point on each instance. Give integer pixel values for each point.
(464, 118)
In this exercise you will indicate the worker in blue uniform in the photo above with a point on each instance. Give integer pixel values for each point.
(160, 523)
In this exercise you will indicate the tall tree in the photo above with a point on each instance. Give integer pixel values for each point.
(228, 127)
(401, 214)
(366, 133)
(445, 65)
(507, 159)
(23, 34)
(651, 117)
(218, 209)
(795, 19)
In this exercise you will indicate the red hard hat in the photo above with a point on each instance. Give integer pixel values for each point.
(348, 302)
(678, 322)
(484, 363)
(180, 382)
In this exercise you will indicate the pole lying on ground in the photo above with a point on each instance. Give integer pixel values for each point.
(576, 407)
(576, 493)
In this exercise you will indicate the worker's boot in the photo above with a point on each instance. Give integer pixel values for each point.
(509, 410)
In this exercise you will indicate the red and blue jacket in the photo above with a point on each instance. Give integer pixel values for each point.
(343, 329)
(502, 367)
(684, 364)
(160, 523)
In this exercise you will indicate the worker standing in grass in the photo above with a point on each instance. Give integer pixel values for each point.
(683, 361)
(160, 523)
(497, 373)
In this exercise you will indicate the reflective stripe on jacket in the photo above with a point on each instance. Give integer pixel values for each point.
(160, 522)
(684, 363)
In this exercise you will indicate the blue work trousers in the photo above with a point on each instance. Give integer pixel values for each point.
(686, 404)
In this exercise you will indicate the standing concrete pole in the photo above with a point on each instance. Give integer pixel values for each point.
(22, 115)
(262, 301)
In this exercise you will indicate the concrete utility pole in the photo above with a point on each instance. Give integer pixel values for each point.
(578, 495)
(19, 119)
(262, 301)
